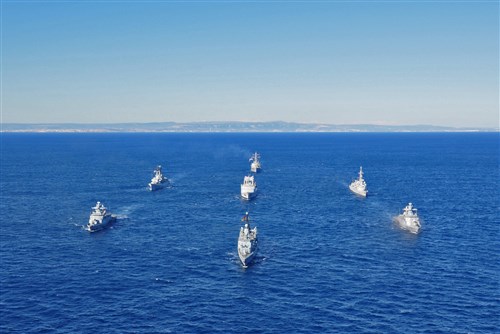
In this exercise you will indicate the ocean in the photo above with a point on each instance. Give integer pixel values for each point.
(328, 261)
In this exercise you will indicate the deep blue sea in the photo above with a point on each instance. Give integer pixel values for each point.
(328, 262)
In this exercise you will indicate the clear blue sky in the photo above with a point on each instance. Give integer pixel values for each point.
(380, 62)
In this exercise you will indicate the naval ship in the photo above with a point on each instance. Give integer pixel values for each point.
(158, 180)
(247, 242)
(255, 166)
(408, 220)
(99, 218)
(249, 188)
(358, 186)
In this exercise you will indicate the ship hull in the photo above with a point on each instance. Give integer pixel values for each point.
(246, 260)
(106, 222)
(254, 169)
(248, 195)
(358, 192)
(156, 186)
(404, 225)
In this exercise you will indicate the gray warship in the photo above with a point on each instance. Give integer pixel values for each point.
(158, 181)
(247, 242)
(248, 187)
(255, 166)
(409, 220)
(100, 218)
(358, 186)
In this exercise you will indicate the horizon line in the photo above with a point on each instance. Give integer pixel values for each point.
(245, 122)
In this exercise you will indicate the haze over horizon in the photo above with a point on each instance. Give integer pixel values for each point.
(386, 63)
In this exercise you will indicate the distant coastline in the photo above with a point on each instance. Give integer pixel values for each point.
(226, 127)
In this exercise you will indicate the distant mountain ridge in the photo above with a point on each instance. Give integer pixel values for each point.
(277, 126)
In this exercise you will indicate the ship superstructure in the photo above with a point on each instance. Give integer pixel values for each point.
(249, 187)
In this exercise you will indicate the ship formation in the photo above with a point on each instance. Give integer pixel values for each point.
(247, 245)
(247, 240)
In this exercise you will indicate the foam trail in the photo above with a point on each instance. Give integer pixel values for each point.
(124, 212)
(343, 183)
(177, 178)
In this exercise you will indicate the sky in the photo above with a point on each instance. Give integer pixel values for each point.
(339, 62)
